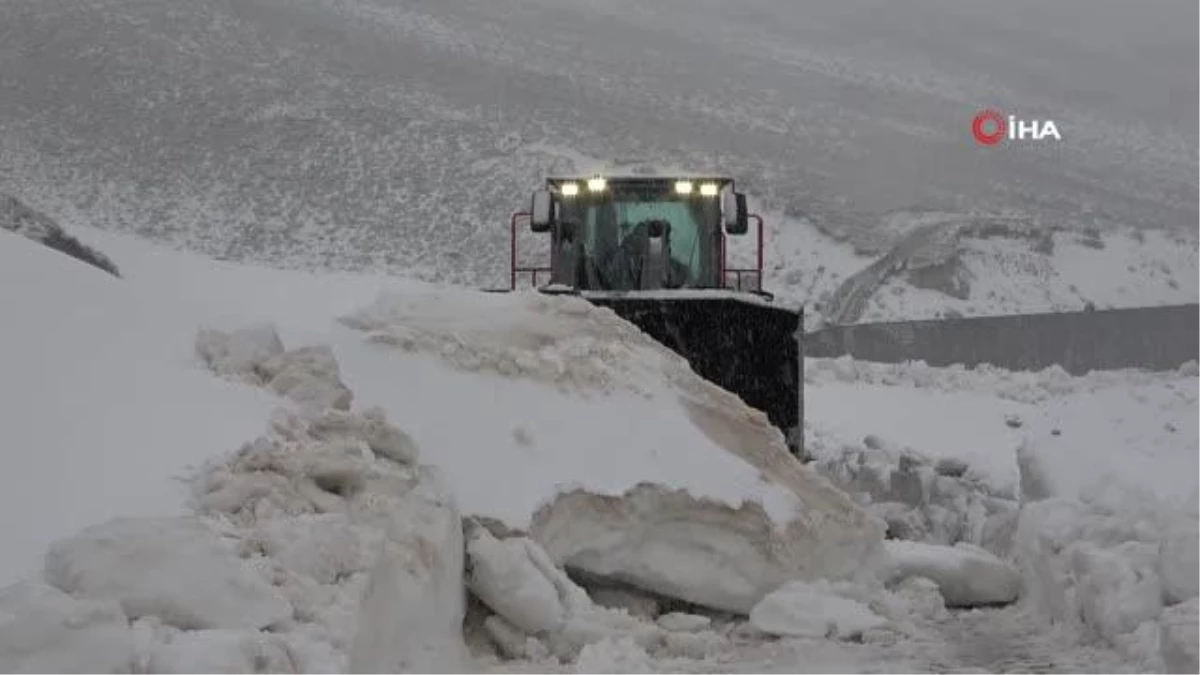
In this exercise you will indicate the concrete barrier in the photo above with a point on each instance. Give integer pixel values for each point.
(1152, 338)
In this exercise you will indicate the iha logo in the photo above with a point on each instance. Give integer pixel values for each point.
(990, 127)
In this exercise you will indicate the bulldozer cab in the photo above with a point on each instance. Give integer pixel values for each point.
(653, 250)
(640, 233)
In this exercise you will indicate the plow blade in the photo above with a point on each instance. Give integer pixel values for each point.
(745, 346)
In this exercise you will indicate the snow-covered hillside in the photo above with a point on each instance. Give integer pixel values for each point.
(397, 137)
(936, 265)
(544, 417)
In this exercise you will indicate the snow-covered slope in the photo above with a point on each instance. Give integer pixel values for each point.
(515, 400)
(514, 397)
(936, 265)
(101, 403)
(373, 134)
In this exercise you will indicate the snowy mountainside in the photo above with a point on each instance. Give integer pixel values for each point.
(19, 218)
(370, 135)
(936, 265)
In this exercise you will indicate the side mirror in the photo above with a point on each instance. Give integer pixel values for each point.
(541, 211)
(734, 213)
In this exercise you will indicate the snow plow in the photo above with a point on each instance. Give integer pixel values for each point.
(655, 251)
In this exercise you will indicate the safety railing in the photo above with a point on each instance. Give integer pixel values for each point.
(513, 268)
(739, 273)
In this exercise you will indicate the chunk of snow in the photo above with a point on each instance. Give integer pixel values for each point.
(966, 575)
(240, 352)
(803, 609)
(308, 375)
(43, 630)
(614, 655)
(325, 547)
(1117, 589)
(222, 651)
(636, 603)
(517, 580)
(680, 622)
(1179, 558)
(669, 543)
(172, 568)
(411, 617)
(1179, 637)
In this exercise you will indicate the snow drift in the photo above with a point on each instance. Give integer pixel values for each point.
(694, 495)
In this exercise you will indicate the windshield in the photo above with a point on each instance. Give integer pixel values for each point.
(610, 222)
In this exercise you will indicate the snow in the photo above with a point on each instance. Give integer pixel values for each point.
(810, 610)
(139, 563)
(1180, 638)
(414, 603)
(486, 338)
(289, 523)
(1138, 426)
(1104, 467)
(356, 165)
(43, 630)
(1179, 558)
(81, 420)
(966, 575)
(302, 505)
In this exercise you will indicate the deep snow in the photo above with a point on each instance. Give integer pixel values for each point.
(1087, 538)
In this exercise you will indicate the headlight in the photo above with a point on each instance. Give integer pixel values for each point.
(596, 184)
(569, 189)
(683, 187)
(709, 189)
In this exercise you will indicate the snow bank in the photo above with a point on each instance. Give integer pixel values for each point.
(1138, 426)
(689, 465)
(101, 402)
(1110, 564)
(1103, 468)
(504, 350)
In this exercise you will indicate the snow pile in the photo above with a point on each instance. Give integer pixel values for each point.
(1119, 563)
(1085, 485)
(693, 496)
(563, 341)
(919, 499)
(1136, 425)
